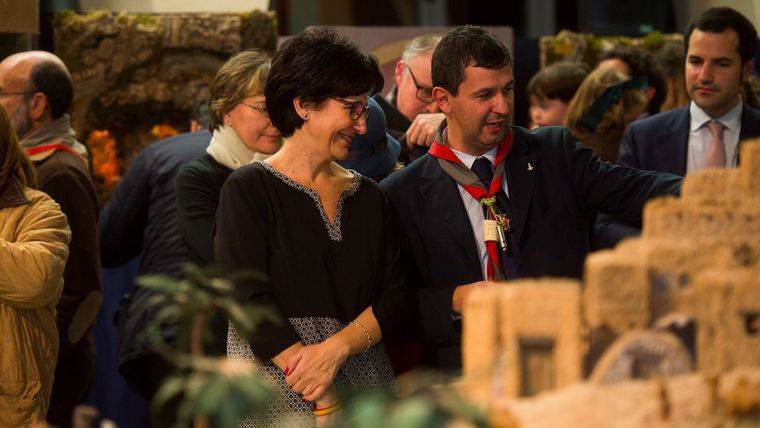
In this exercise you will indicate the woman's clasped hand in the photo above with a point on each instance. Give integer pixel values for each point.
(312, 369)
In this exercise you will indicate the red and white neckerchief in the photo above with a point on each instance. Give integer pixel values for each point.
(38, 153)
(496, 224)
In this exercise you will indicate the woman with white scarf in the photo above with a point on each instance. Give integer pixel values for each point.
(242, 133)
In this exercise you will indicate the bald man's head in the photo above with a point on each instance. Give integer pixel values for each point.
(35, 88)
(34, 57)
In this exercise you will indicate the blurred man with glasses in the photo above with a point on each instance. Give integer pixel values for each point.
(36, 90)
(411, 113)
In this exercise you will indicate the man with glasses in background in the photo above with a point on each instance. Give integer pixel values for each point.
(412, 117)
(36, 90)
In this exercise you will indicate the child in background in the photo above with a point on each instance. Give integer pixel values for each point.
(551, 90)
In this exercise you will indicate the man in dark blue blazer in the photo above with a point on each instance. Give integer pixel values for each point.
(720, 52)
(661, 142)
(551, 186)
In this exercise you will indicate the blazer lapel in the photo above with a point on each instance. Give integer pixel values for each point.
(750, 126)
(521, 167)
(672, 146)
(444, 203)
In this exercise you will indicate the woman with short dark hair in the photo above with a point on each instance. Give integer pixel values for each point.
(320, 234)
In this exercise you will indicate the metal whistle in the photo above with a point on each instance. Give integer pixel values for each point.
(502, 238)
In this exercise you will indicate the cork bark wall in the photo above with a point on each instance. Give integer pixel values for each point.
(134, 71)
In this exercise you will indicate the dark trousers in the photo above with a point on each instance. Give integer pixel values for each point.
(74, 373)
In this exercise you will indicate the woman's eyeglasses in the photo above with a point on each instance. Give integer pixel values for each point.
(260, 109)
(356, 109)
(424, 93)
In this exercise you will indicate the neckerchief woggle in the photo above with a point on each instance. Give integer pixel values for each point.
(466, 178)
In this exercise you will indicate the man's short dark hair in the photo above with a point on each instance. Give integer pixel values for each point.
(52, 80)
(316, 65)
(466, 46)
(558, 81)
(641, 63)
(717, 20)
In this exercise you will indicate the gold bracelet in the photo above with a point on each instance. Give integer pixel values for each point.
(369, 338)
(327, 410)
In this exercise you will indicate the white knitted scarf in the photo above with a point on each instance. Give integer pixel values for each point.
(227, 148)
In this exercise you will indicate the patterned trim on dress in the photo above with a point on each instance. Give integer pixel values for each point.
(367, 370)
(333, 229)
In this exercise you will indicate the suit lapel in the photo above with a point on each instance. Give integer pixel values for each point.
(443, 202)
(672, 146)
(521, 167)
(750, 125)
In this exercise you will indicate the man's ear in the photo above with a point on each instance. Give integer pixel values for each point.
(442, 99)
(747, 70)
(38, 106)
(398, 72)
(650, 92)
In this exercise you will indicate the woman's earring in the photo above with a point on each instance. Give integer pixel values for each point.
(306, 117)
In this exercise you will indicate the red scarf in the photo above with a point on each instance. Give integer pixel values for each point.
(31, 151)
(464, 176)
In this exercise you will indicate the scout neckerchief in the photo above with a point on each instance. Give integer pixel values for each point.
(53, 136)
(496, 224)
(48, 149)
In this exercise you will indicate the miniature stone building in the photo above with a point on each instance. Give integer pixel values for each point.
(694, 400)
(728, 316)
(715, 225)
(525, 336)
(684, 295)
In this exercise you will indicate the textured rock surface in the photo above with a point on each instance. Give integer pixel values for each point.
(134, 71)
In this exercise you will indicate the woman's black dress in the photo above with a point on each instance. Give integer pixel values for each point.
(320, 275)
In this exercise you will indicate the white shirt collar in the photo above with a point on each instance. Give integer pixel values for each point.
(732, 119)
(468, 159)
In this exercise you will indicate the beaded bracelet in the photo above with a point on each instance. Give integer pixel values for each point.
(369, 338)
(324, 411)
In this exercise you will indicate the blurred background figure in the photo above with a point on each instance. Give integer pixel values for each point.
(635, 63)
(375, 153)
(242, 133)
(670, 59)
(606, 102)
(411, 114)
(37, 92)
(34, 239)
(550, 91)
(140, 220)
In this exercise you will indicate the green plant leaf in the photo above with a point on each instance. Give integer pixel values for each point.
(170, 388)
(413, 413)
